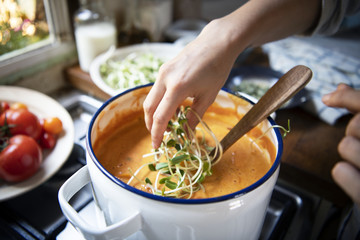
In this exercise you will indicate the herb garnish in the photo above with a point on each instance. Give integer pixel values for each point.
(183, 160)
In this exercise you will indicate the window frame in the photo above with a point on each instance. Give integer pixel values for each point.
(63, 45)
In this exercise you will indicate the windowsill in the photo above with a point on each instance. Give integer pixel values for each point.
(33, 62)
(41, 70)
(13, 55)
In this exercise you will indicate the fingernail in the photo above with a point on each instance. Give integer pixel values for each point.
(155, 146)
(342, 86)
(326, 98)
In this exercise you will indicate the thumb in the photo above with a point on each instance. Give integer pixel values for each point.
(199, 106)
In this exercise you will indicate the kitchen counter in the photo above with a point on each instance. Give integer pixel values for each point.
(310, 150)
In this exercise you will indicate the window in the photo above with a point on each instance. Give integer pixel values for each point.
(32, 33)
(23, 25)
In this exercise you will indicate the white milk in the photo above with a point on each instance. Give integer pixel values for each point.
(91, 40)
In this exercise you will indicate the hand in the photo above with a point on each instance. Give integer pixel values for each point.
(347, 173)
(201, 69)
(198, 72)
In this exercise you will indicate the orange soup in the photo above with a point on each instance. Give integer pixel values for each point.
(121, 148)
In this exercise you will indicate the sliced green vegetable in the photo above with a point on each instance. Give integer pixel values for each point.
(135, 69)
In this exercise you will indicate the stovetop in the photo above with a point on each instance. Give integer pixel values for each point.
(37, 214)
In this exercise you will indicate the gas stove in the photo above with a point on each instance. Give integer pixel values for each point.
(37, 214)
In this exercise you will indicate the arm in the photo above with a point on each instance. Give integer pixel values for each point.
(347, 173)
(203, 66)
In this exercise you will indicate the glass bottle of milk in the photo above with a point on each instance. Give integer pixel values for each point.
(95, 31)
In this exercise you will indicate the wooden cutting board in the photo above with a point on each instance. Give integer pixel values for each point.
(82, 81)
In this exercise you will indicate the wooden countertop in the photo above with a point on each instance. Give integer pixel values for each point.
(310, 152)
(310, 149)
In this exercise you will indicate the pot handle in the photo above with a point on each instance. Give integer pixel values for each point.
(119, 230)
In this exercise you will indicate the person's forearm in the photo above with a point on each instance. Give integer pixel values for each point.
(261, 21)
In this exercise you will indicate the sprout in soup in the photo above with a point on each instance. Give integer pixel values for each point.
(183, 160)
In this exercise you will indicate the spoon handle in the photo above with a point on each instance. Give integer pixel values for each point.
(285, 88)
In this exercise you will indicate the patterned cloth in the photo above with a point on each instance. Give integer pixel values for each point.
(329, 69)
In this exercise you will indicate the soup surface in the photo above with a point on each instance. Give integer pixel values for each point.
(121, 148)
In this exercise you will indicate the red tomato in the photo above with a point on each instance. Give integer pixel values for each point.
(47, 140)
(20, 159)
(52, 125)
(4, 106)
(23, 121)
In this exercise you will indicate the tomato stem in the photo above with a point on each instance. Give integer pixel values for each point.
(5, 134)
(5, 129)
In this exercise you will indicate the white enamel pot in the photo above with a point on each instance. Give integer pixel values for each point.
(134, 214)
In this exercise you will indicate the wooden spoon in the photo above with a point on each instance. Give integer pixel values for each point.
(285, 88)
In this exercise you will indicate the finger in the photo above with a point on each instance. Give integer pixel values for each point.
(349, 149)
(353, 128)
(165, 110)
(200, 107)
(151, 102)
(343, 97)
(348, 178)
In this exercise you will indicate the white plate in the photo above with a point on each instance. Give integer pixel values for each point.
(42, 106)
(165, 51)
